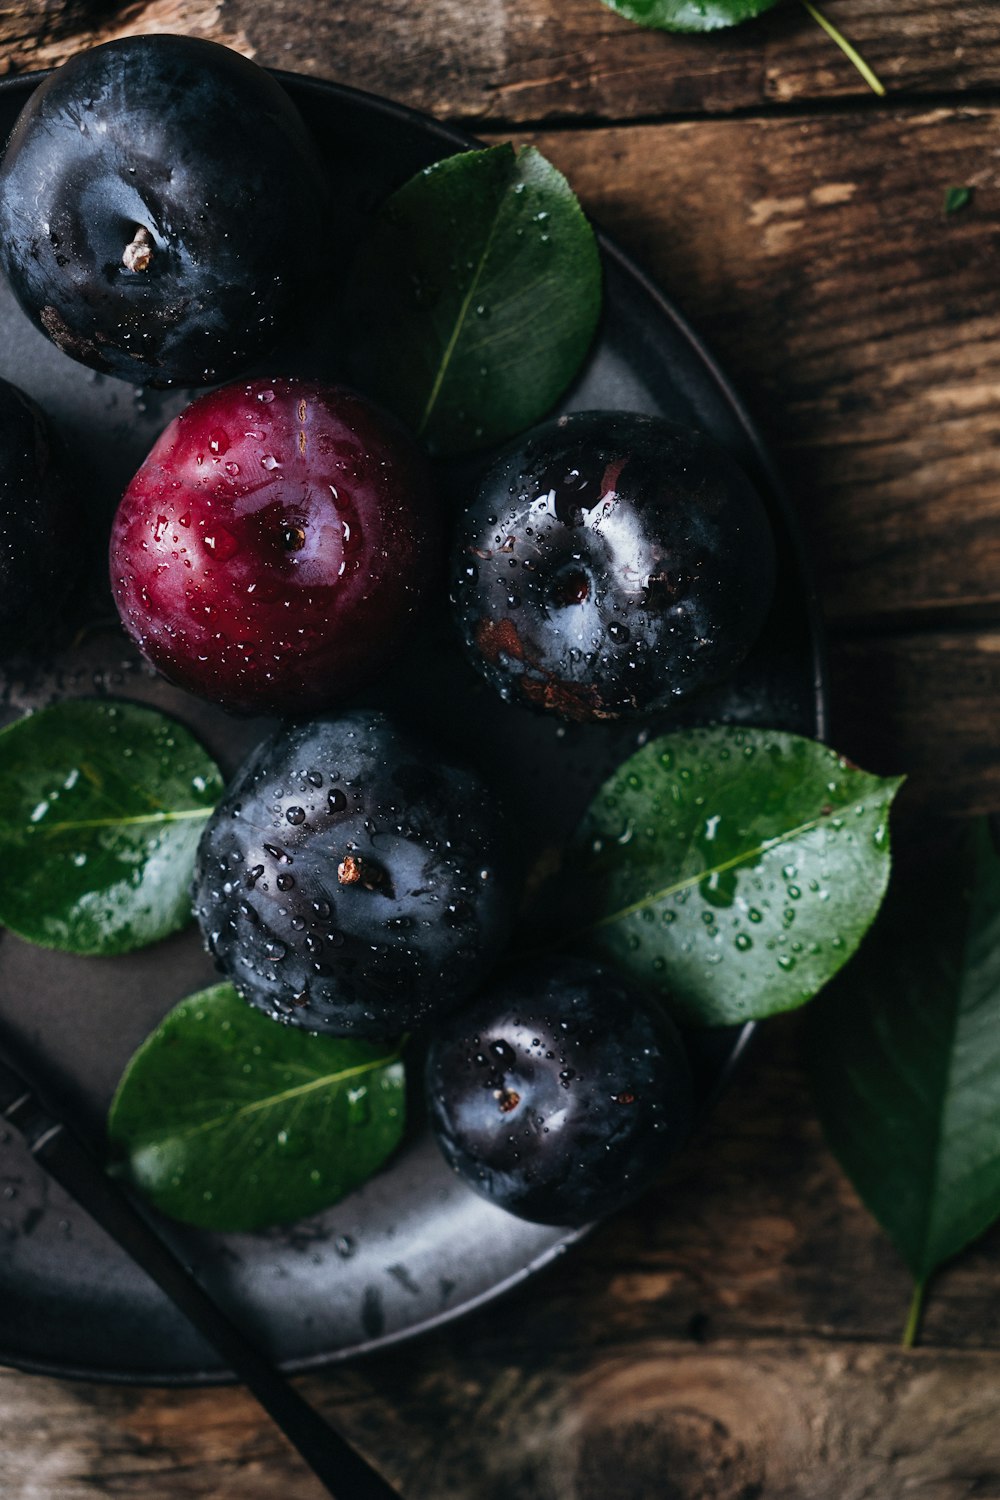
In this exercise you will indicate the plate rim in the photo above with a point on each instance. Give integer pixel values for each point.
(456, 139)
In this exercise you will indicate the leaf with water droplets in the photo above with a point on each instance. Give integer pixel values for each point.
(229, 1120)
(102, 804)
(733, 870)
(904, 1058)
(689, 15)
(476, 297)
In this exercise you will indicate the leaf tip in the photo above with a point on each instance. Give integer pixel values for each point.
(911, 1332)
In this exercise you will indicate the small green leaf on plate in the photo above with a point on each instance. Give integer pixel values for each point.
(956, 198)
(904, 1059)
(477, 297)
(102, 804)
(689, 15)
(231, 1121)
(733, 870)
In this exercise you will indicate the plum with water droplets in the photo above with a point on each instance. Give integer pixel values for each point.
(610, 564)
(40, 529)
(275, 546)
(560, 1093)
(352, 881)
(161, 205)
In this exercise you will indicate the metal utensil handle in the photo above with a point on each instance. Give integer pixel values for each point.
(346, 1475)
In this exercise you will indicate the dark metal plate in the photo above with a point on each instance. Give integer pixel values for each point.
(413, 1247)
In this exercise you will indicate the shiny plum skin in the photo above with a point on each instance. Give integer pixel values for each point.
(40, 529)
(275, 545)
(351, 881)
(610, 564)
(560, 1093)
(204, 152)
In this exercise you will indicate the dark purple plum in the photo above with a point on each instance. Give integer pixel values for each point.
(560, 1093)
(40, 527)
(610, 564)
(161, 204)
(351, 881)
(274, 548)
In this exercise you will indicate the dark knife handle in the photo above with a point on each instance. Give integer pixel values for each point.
(342, 1470)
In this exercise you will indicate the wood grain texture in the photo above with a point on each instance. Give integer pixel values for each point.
(861, 324)
(790, 1420)
(44, 33)
(534, 60)
(927, 704)
(733, 1336)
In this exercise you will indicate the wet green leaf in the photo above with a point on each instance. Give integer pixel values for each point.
(477, 297)
(102, 804)
(689, 15)
(904, 1057)
(956, 198)
(733, 870)
(229, 1120)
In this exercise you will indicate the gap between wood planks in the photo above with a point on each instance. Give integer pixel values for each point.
(864, 103)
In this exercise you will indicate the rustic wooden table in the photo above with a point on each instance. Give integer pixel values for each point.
(737, 1334)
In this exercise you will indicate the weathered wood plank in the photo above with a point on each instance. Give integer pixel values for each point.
(790, 1421)
(44, 33)
(521, 60)
(861, 324)
(927, 704)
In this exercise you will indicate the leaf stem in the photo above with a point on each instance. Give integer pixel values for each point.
(269, 1101)
(117, 820)
(868, 74)
(463, 313)
(688, 882)
(912, 1329)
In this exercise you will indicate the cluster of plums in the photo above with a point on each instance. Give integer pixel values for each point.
(271, 555)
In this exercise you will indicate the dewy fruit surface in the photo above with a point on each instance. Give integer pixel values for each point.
(351, 881)
(275, 545)
(559, 1093)
(160, 204)
(610, 564)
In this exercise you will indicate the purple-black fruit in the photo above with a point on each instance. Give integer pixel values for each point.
(161, 209)
(350, 881)
(610, 564)
(560, 1093)
(39, 523)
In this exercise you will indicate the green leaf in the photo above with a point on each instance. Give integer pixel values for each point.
(956, 198)
(477, 297)
(904, 1058)
(689, 15)
(734, 870)
(713, 15)
(102, 805)
(230, 1120)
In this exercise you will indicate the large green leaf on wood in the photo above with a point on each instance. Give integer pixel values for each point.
(905, 1058)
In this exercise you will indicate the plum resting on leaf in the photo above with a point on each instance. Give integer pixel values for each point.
(609, 564)
(158, 200)
(351, 881)
(275, 545)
